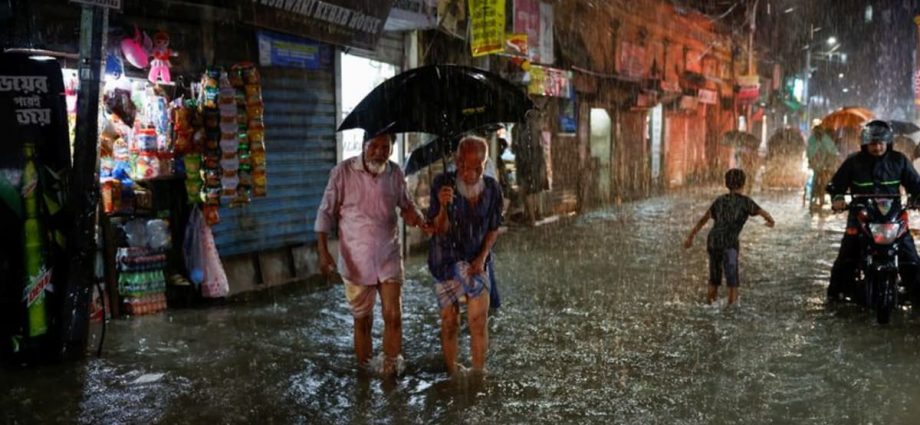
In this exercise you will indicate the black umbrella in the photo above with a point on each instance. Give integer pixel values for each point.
(438, 149)
(740, 139)
(904, 127)
(439, 99)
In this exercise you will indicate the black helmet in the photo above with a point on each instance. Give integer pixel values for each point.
(877, 130)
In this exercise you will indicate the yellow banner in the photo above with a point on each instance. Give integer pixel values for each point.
(487, 26)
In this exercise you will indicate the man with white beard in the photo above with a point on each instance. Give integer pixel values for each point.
(460, 256)
(362, 196)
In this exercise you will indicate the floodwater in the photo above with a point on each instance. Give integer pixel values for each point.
(603, 322)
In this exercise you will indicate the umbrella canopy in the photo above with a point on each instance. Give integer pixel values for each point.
(904, 145)
(433, 150)
(785, 142)
(846, 117)
(904, 127)
(740, 139)
(439, 99)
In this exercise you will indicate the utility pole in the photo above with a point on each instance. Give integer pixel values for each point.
(806, 78)
(806, 84)
(750, 109)
(84, 185)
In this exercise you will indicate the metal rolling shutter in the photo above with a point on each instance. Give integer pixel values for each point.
(300, 146)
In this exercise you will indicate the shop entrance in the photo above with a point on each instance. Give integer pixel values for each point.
(358, 76)
(601, 149)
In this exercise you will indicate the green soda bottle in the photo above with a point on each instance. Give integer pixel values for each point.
(36, 274)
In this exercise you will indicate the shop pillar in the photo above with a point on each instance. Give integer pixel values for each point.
(84, 190)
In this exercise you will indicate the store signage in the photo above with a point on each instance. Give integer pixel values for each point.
(109, 4)
(917, 87)
(568, 123)
(545, 81)
(289, 51)
(487, 26)
(516, 44)
(27, 92)
(355, 23)
(748, 94)
(535, 18)
(709, 97)
(527, 21)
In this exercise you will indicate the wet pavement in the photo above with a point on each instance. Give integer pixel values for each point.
(603, 322)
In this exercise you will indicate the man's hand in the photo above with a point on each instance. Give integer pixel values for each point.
(770, 223)
(839, 205)
(688, 242)
(427, 227)
(326, 264)
(446, 195)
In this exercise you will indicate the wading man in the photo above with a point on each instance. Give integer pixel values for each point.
(466, 212)
(362, 197)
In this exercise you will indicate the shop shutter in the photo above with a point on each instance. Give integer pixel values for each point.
(301, 149)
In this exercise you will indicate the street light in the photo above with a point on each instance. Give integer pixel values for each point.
(831, 41)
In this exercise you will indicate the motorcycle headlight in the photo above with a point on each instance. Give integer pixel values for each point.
(884, 233)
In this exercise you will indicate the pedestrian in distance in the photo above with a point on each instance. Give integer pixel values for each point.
(822, 158)
(361, 198)
(466, 213)
(729, 213)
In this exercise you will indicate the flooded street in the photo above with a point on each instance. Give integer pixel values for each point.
(603, 322)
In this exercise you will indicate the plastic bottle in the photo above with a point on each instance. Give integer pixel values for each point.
(34, 248)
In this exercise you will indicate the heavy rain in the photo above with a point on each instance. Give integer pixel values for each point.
(459, 211)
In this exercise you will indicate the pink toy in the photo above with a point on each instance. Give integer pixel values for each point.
(135, 49)
(159, 66)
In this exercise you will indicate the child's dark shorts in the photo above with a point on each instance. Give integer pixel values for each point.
(727, 260)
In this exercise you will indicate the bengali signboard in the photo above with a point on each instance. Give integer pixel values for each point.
(34, 170)
(487, 27)
(355, 23)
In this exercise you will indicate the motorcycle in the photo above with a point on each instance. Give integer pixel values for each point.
(881, 224)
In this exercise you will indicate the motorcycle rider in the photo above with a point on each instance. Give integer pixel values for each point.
(875, 169)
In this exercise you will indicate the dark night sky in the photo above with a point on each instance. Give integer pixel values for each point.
(879, 52)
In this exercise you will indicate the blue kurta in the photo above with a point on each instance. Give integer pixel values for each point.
(469, 225)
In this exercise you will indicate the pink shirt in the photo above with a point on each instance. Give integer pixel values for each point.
(364, 206)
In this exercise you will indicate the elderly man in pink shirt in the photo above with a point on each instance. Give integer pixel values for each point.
(362, 196)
